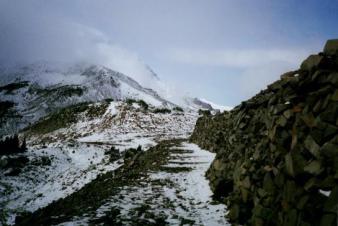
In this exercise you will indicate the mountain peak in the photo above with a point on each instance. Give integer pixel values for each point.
(44, 87)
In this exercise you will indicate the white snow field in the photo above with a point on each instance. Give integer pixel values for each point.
(77, 153)
(64, 159)
(179, 197)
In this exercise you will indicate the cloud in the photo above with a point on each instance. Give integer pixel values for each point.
(244, 72)
(31, 32)
(254, 79)
(214, 38)
(235, 57)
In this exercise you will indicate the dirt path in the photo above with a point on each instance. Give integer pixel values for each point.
(163, 186)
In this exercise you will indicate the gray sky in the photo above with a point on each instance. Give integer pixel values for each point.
(223, 51)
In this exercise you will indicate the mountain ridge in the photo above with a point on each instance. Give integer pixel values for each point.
(40, 89)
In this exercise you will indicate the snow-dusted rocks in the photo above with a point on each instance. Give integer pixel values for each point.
(165, 185)
(78, 122)
(75, 140)
(36, 90)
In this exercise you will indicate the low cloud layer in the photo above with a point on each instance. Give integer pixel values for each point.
(31, 35)
(245, 72)
(223, 51)
(236, 57)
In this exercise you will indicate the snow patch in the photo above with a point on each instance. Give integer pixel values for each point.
(186, 196)
(326, 193)
(70, 169)
(216, 106)
(111, 110)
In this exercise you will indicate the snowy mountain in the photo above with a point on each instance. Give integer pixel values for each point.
(75, 143)
(31, 92)
(80, 123)
(71, 116)
(216, 106)
(200, 103)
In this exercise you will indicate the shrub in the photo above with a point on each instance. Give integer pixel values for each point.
(114, 154)
(6, 104)
(95, 111)
(59, 119)
(130, 101)
(4, 107)
(162, 110)
(11, 145)
(143, 104)
(69, 91)
(108, 100)
(178, 109)
(204, 112)
(131, 152)
(9, 88)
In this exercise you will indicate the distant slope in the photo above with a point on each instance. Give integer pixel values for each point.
(199, 103)
(30, 92)
(72, 146)
(216, 106)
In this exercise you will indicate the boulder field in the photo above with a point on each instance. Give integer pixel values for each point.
(277, 153)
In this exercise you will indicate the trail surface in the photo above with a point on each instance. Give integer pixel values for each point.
(166, 185)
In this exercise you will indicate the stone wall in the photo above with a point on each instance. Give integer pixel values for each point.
(277, 153)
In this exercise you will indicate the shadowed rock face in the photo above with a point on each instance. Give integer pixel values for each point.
(277, 153)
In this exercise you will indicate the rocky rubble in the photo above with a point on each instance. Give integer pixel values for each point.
(277, 153)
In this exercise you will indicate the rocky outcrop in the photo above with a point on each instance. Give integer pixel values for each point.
(277, 153)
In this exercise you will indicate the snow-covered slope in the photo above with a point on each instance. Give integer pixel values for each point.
(200, 103)
(31, 92)
(216, 106)
(123, 124)
(72, 117)
(68, 149)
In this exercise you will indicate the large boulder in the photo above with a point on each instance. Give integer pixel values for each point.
(113, 153)
(312, 62)
(331, 47)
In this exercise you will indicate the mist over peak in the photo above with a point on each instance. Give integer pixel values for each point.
(40, 38)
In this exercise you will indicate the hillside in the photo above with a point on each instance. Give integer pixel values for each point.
(77, 124)
(30, 92)
(277, 153)
(70, 147)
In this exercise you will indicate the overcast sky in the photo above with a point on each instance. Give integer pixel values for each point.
(223, 51)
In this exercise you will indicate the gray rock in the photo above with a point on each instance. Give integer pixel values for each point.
(276, 150)
(329, 149)
(312, 62)
(312, 146)
(331, 47)
(289, 165)
(334, 96)
(313, 168)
